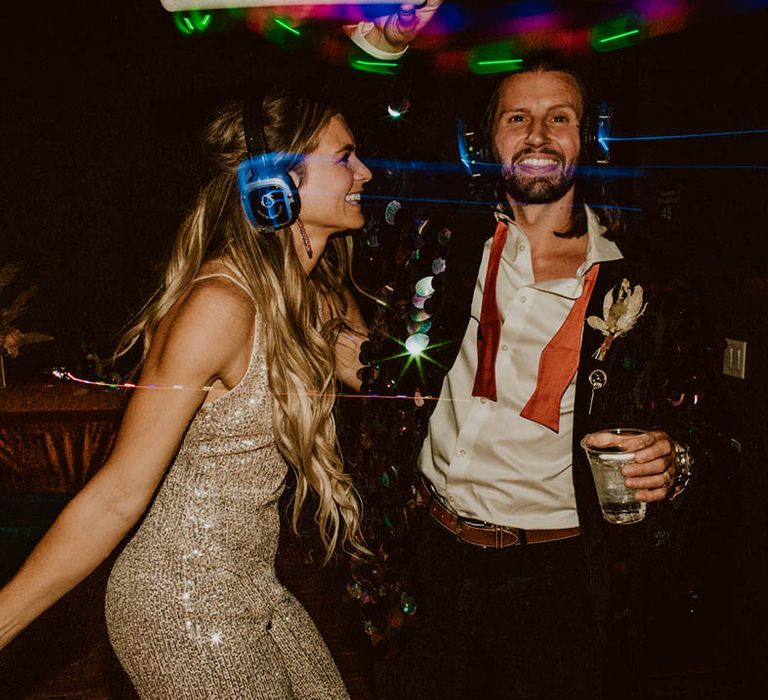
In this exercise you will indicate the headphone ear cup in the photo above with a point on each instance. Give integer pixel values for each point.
(475, 151)
(595, 135)
(268, 194)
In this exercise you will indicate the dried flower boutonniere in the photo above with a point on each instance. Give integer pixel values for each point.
(619, 315)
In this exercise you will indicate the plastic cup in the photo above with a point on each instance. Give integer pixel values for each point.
(607, 455)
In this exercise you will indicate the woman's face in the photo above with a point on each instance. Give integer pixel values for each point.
(333, 181)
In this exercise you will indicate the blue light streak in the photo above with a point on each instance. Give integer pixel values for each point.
(706, 134)
(706, 167)
(492, 169)
(471, 202)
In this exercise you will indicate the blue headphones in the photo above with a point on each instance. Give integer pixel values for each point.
(268, 194)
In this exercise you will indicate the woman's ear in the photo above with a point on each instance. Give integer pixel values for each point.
(295, 178)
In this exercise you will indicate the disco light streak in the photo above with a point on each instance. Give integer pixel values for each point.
(430, 200)
(499, 62)
(193, 22)
(380, 67)
(616, 33)
(478, 202)
(175, 5)
(386, 64)
(282, 23)
(491, 168)
(705, 134)
(715, 166)
(616, 37)
(496, 57)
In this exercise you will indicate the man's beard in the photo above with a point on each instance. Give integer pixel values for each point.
(545, 189)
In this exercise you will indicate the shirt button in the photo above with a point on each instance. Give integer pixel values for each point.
(505, 347)
(523, 300)
(521, 247)
(482, 400)
(462, 452)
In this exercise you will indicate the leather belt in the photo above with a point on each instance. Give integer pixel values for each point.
(480, 533)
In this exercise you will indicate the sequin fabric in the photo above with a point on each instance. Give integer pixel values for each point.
(194, 608)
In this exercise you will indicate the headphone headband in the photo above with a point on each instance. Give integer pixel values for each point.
(253, 127)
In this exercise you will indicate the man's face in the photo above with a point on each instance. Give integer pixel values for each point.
(536, 135)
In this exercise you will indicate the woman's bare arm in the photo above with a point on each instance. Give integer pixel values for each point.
(204, 337)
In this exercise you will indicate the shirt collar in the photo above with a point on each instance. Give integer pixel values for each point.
(599, 249)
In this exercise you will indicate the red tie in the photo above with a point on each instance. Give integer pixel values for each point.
(489, 331)
(559, 361)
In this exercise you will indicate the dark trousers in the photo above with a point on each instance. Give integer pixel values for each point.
(516, 623)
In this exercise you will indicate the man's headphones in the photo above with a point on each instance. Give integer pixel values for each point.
(269, 196)
(476, 155)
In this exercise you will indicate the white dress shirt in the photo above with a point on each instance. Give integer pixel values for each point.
(484, 459)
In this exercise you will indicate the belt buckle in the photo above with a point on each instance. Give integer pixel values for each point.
(500, 530)
(460, 523)
(498, 533)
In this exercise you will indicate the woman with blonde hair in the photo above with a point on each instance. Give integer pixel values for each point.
(242, 344)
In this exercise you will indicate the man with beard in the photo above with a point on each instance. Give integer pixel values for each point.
(511, 588)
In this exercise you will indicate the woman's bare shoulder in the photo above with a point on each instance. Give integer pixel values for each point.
(210, 326)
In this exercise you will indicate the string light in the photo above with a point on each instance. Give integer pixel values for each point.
(65, 375)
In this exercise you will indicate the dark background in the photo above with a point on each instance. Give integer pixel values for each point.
(100, 107)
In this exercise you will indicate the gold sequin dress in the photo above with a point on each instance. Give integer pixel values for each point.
(194, 608)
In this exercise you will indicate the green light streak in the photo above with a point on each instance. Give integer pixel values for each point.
(385, 64)
(204, 22)
(287, 26)
(618, 36)
(188, 24)
(499, 62)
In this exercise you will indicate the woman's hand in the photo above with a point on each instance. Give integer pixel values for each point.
(348, 344)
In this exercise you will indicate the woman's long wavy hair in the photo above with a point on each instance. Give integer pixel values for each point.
(300, 358)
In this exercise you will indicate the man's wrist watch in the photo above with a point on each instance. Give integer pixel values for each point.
(684, 468)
